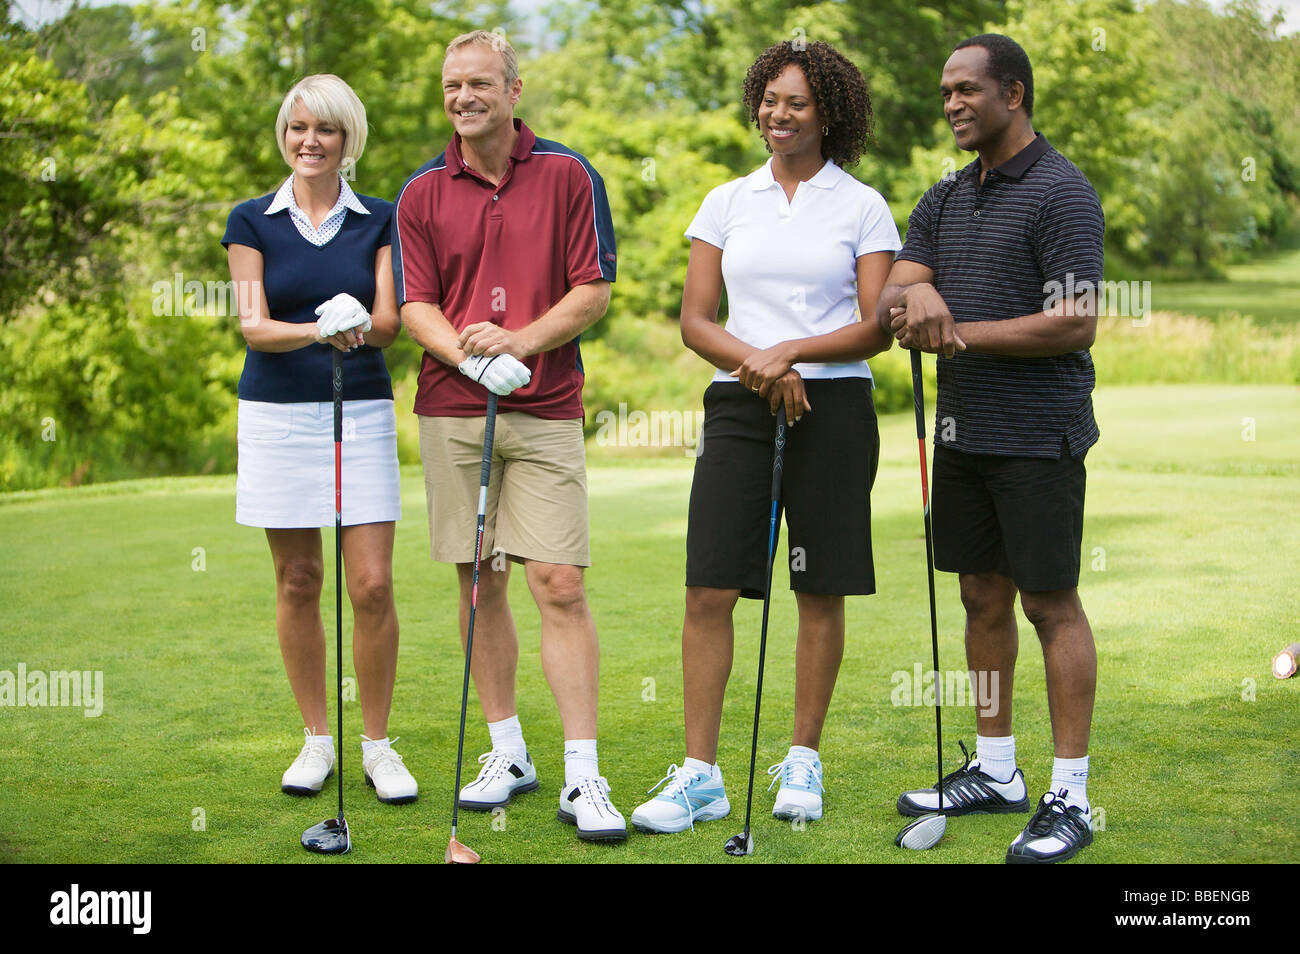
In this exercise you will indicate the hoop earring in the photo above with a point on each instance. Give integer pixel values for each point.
(825, 130)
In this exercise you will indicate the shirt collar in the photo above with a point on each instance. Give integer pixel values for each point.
(1019, 164)
(523, 148)
(284, 200)
(827, 177)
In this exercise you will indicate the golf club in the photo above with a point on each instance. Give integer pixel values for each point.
(925, 832)
(331, 837)
(458, 854)
(743, 844)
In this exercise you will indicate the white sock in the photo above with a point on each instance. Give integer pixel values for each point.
(580, 760)
(368, 744)
(802, 751)
(996, 756)
(1072, 776)
(704, 768)
(508, 736)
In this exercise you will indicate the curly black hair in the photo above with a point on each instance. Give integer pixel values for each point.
(839, 89)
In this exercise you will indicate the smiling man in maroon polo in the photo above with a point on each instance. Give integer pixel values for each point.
(503, 253)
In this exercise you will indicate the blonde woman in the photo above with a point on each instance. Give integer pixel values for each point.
(312, 265)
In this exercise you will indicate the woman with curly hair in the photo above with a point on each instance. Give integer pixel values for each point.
(803, 250)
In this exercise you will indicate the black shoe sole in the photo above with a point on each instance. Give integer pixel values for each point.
(1013, 859)
(403, 800)
(609, 834)
(488, 806)
(306, 792)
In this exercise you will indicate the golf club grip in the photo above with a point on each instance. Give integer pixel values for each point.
(338, 395)
(918, 395)
(489, 435)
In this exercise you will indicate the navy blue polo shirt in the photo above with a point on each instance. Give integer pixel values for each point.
(995, 249)
(297, 277)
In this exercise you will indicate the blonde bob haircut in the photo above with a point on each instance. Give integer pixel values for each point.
(330, 99)
(496, 41)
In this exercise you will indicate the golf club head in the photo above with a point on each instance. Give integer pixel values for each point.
(458, 854)
(330, 837)
(740, 845)
(922, 833)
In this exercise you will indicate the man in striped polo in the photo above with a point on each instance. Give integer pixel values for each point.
(503, 254)
(977, 284)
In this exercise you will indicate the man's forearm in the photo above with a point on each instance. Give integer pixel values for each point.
(891, 296)
(578, 310)
(1041, 335)
(430, 329)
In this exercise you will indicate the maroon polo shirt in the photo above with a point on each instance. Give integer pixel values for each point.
(506, 254)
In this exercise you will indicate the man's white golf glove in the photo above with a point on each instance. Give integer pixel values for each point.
(500, 373)
(341, 313)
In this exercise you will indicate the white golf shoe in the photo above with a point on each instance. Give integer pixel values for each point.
(503, 776)
(385, 773)
(307, 774)
(586, 804)
(689, 797)
(800, 795)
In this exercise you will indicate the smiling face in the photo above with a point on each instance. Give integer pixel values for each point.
(475, 95)
(788, 117)
(314, 146)
(980, 114)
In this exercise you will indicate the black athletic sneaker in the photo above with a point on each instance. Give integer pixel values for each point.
(967, 791)
(1066, 824)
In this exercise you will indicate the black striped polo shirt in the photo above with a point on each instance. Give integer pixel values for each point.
(995, 248)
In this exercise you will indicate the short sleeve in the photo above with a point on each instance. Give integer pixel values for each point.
(415, 254)
(877, 231)
(589, 229)
(239, 228)
(707, 224)
(919, 246)
(1068, 232)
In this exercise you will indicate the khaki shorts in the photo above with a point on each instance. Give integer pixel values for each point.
(537, 493)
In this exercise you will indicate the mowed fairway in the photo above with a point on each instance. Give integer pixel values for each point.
(1190, 558)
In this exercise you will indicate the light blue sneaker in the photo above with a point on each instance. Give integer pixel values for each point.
(687, 797)
(800, 795)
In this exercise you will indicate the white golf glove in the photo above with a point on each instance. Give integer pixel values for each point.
(341, 313)
(500, 373)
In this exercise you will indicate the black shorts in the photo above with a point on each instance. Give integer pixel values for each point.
(828, 468)
(1021, 517)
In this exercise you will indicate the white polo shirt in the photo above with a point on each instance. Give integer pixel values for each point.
(791, 267)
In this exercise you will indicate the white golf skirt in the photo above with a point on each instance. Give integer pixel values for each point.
(285, 475)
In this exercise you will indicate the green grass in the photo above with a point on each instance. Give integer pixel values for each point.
(1266, 288)
(1189, 553)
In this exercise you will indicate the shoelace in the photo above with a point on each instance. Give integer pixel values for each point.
(1052, 813)
(498, 764)
(596, 791)
(678, 780)
(312, 750)
(796, 770)
(386, 759)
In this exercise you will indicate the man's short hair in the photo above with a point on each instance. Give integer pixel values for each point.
(331, 100)
(1008, 62)
(497, 41)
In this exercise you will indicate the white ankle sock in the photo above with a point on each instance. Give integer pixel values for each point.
(996, 755)
(580, 760)
(1072, 775)
(325, 740)
(704, 768)
(802, 751)
(507, 736)
(368, 744)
